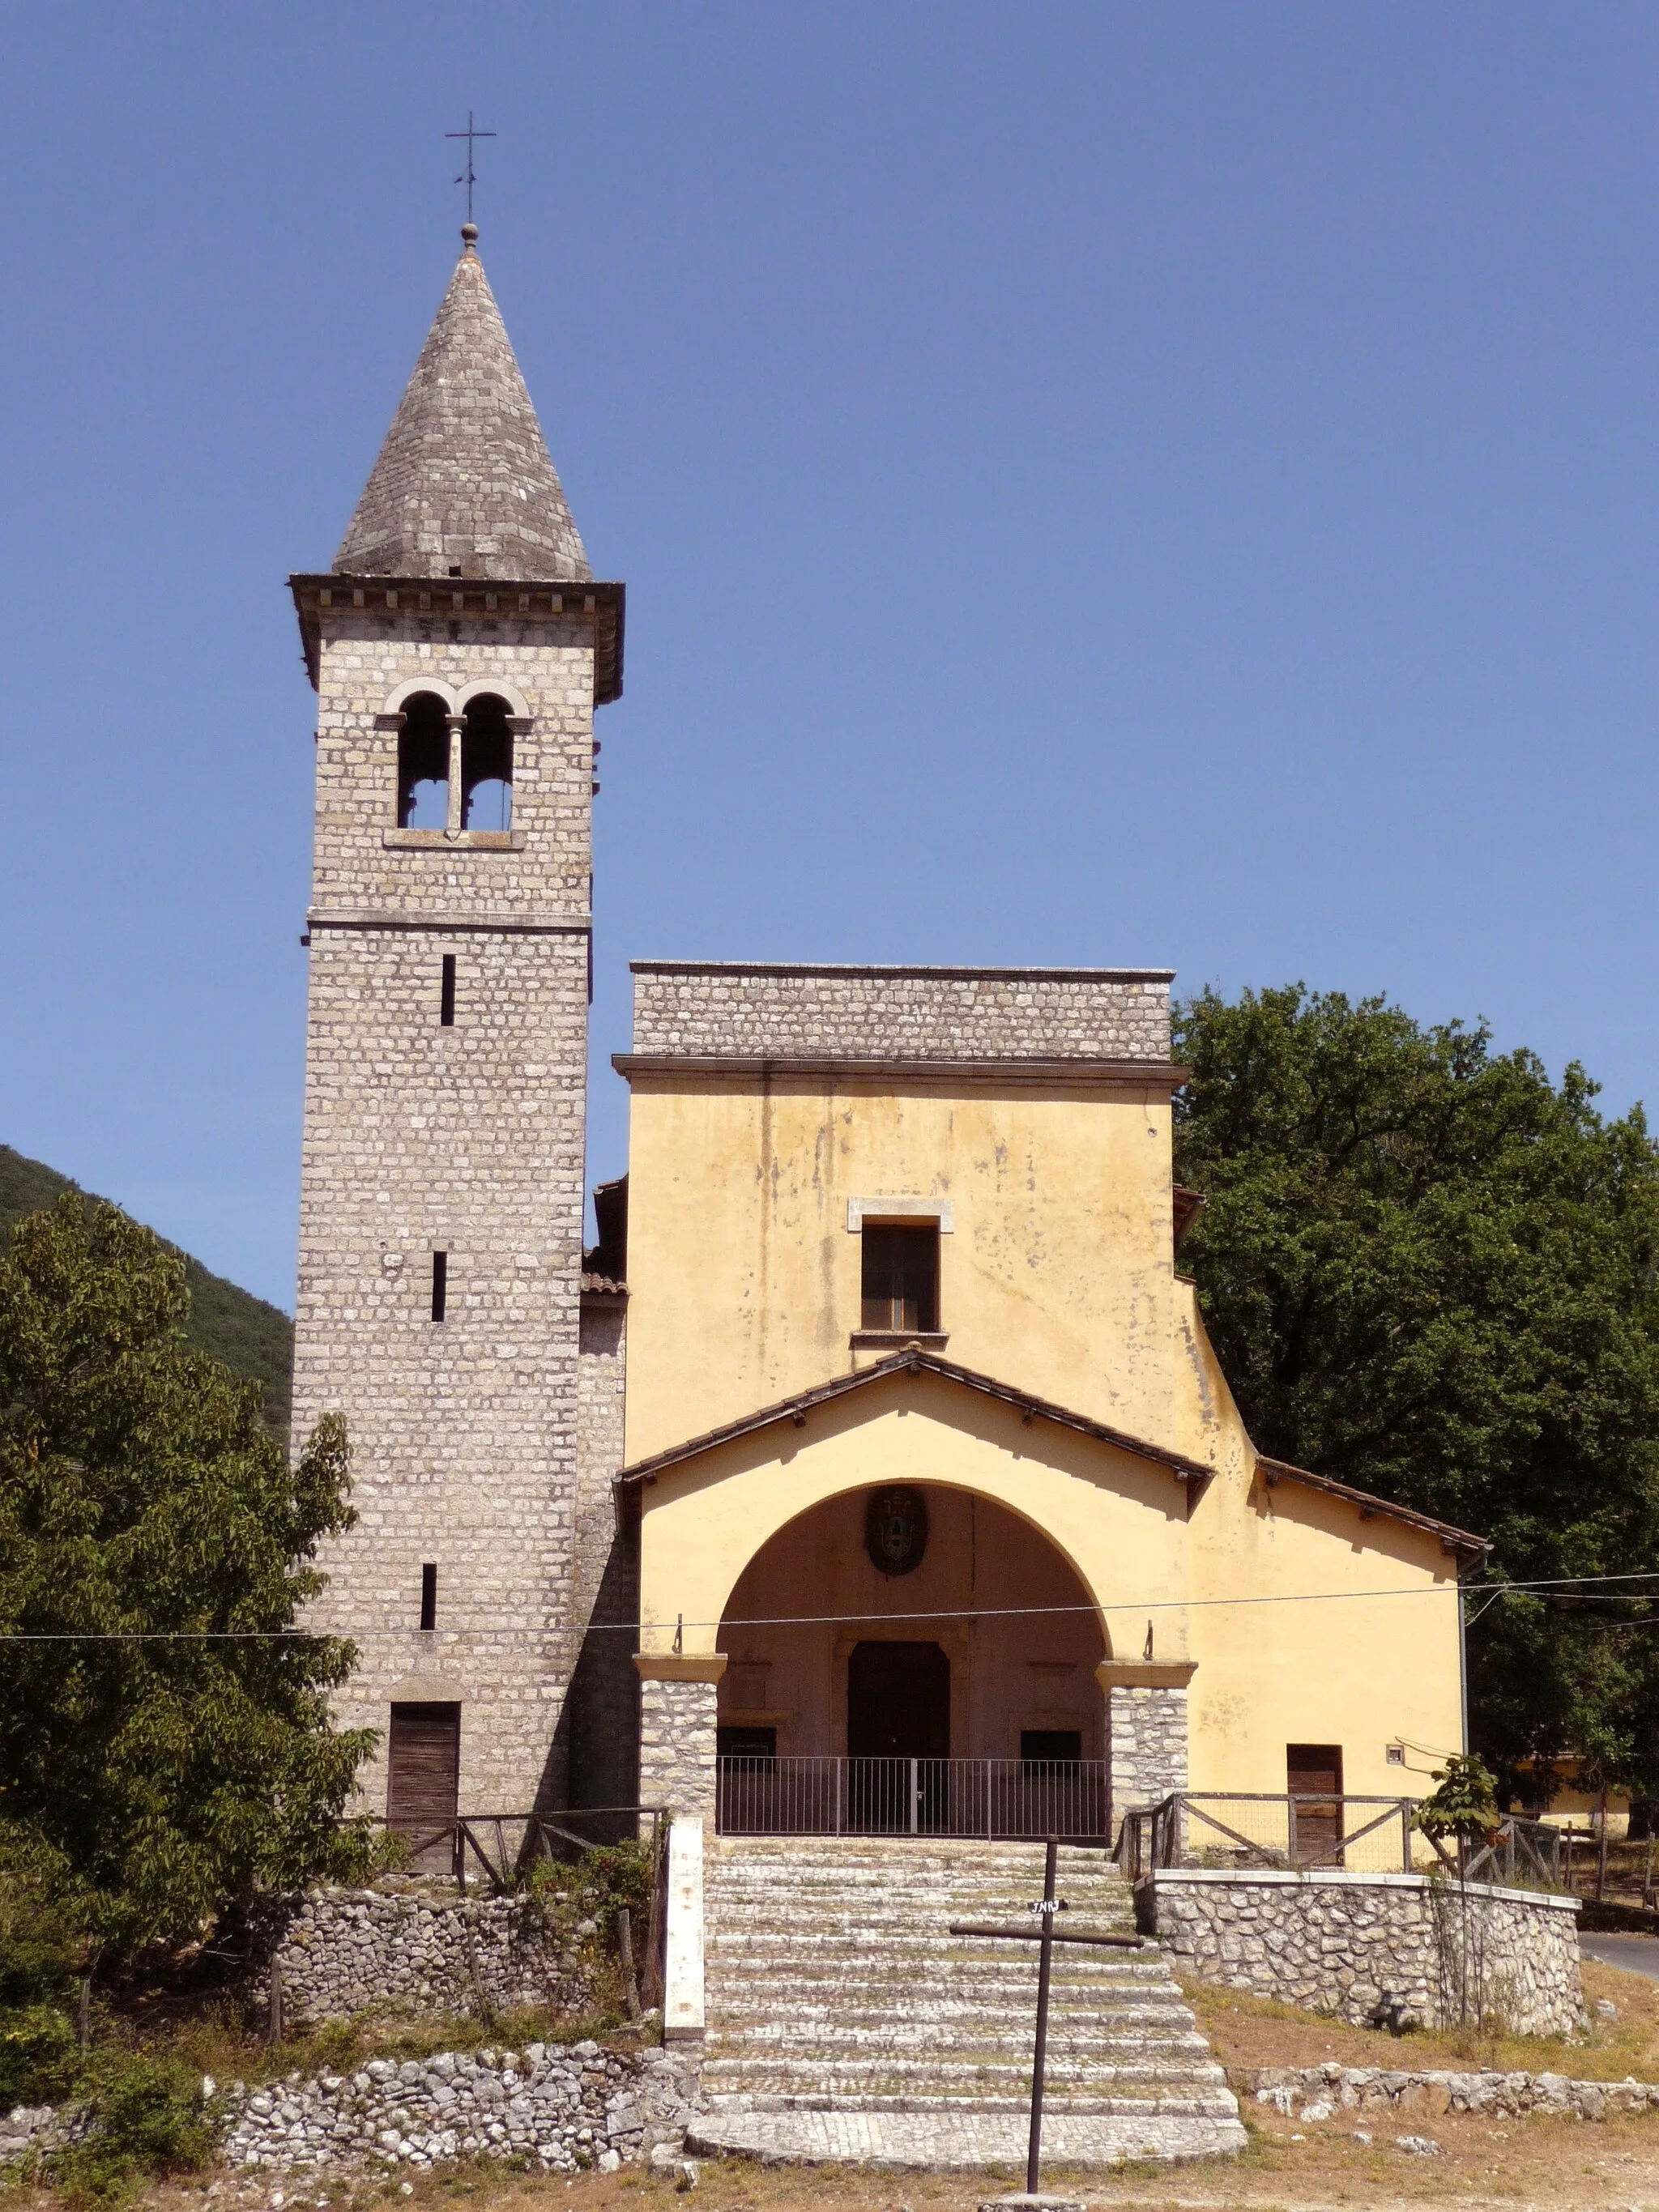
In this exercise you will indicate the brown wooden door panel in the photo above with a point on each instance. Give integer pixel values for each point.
(1313, 1775)
(423, 1773)
(898, 1701)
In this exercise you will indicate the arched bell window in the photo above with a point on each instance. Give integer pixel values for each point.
(423, 763)
(487, 765)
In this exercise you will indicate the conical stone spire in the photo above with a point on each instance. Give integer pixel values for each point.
(464, 479)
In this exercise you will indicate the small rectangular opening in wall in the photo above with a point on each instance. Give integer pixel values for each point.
(439, 1284)
(1042, 1750)
(746, 1743)
(899, 1276)
(429, 1595)
(447, 994)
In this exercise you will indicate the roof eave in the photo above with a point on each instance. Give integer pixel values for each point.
(1461, 1541)
(604, 604)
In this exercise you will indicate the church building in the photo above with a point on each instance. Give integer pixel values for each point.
(873, 1471)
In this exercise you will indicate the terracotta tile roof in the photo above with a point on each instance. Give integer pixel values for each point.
(914, 1360)
(1275, 1471)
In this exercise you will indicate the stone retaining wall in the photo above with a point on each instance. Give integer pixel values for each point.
(565, 2107)
(350, 1951)
(1318, 2092)
(1398, 1950)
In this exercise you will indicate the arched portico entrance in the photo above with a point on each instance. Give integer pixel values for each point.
(773, 1548)
(911, 1657)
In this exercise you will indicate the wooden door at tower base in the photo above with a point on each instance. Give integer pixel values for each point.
(423, 1773)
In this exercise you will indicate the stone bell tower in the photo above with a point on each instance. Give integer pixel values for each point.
(458, 648)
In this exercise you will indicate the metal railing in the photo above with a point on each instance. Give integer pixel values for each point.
(758, 1795)
(1355, 1835)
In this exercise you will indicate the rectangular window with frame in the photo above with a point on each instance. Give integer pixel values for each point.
(900, 1276)
(447, 994)
(440, 1284)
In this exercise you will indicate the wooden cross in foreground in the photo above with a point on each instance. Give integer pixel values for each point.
(1047, 1934)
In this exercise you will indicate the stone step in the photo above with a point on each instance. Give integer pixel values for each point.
(1162, 2056)
(1218, 2104)
(809, 1951)
(839, 2005)
(960, 2140)
(819, 2007)
(834, 1882)
(1071, 2031)
(889, 2074)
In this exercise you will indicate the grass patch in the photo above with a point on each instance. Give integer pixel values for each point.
(1252, 2030)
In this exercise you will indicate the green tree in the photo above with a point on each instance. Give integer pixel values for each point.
(168, 1774)
(1429, 1272)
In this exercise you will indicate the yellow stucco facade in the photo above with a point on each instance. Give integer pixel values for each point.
(1104, 1494)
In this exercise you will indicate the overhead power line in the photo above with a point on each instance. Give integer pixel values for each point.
(1567, 1585)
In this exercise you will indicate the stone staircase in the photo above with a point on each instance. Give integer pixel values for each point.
(845, 2022)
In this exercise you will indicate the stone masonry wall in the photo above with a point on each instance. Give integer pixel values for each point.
(914, 1013)
(604, 1703)
(341, 1952)
(468, 1139)
(1145, 1744)
(676, 1747)
(1316, 2092)
(562, 2107)
(1403, 1948)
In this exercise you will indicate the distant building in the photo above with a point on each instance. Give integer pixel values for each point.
(931, 1507)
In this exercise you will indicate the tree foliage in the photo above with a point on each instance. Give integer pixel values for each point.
(141, 1491)
(1429, 1271)
(1465, 1803)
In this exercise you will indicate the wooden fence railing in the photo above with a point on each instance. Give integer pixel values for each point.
(1355, 1835)
(502, 1847)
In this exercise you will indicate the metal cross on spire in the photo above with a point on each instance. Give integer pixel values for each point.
(466, 176)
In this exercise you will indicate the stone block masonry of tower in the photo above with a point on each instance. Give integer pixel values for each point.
(464, 1140)
(458, 647)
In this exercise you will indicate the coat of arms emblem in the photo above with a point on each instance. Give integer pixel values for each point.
(895, 1529)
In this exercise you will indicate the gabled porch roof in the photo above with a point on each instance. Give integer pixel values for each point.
(914, 1360)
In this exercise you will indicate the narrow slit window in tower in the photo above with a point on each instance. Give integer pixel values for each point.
(487, 766)
(429, 1595)
(423, 764)
(439, 1284)
(447, 994)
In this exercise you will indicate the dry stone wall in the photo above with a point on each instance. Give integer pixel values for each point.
(1401, 1949)
(563, 2107)
(343, 1952)
(1317, 2092)
(747, 1011)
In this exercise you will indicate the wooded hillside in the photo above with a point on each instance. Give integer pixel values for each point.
(252, 1338)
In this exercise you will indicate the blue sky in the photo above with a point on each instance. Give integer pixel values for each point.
(1096, 485)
